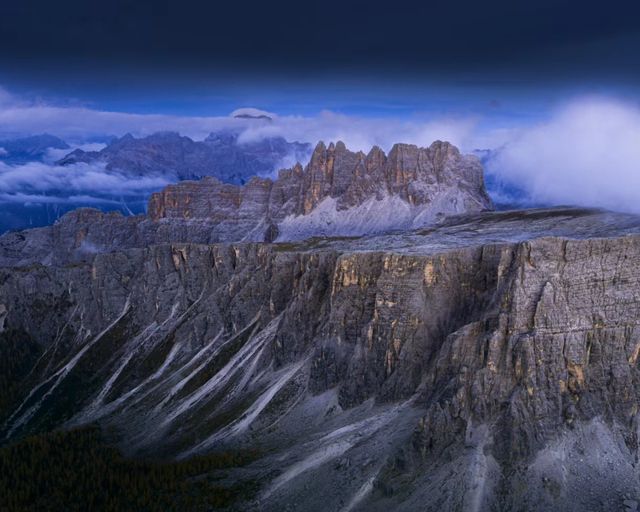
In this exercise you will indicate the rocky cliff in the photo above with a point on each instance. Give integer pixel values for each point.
(490, 363)
(340, 192)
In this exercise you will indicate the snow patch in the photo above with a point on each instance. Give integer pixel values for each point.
(222, 377)
(336, 443)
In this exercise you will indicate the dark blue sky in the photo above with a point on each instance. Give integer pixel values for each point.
(499, 40)
(293, 37)
(209, 57)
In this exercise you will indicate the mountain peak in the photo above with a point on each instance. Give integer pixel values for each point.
(178, 157)
(320, 147)
(252, 113)
(339, 192)
(20, 150)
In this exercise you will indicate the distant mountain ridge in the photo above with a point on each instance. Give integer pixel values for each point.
(222, 155)
(20, 150)
(168, 155)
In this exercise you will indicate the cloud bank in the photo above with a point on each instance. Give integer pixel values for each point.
(52, 155)
(360, 133)
(38, 182)
(19, 117)
(587, 154)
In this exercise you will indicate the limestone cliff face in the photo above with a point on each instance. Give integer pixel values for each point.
(450, 369)
(339, 193)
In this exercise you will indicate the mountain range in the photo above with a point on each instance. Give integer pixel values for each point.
(21, 150)
(338, 193)
(164, 156)
(365, 324)
(222, 154)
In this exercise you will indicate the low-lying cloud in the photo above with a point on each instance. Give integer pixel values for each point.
(52, 155)
(587, 154)
(38, 182)
(362, 133)
(40, 199)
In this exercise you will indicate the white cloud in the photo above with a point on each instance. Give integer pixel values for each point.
(52, 155)
(3, 152)
(32, 199)
(361, 133)
(39, 182)
(20, 117)
(587, 154)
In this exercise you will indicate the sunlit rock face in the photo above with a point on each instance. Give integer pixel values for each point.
(339, 192)
(488, 363)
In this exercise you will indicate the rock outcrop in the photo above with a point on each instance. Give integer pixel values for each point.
(341, 192)
(490, 363)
